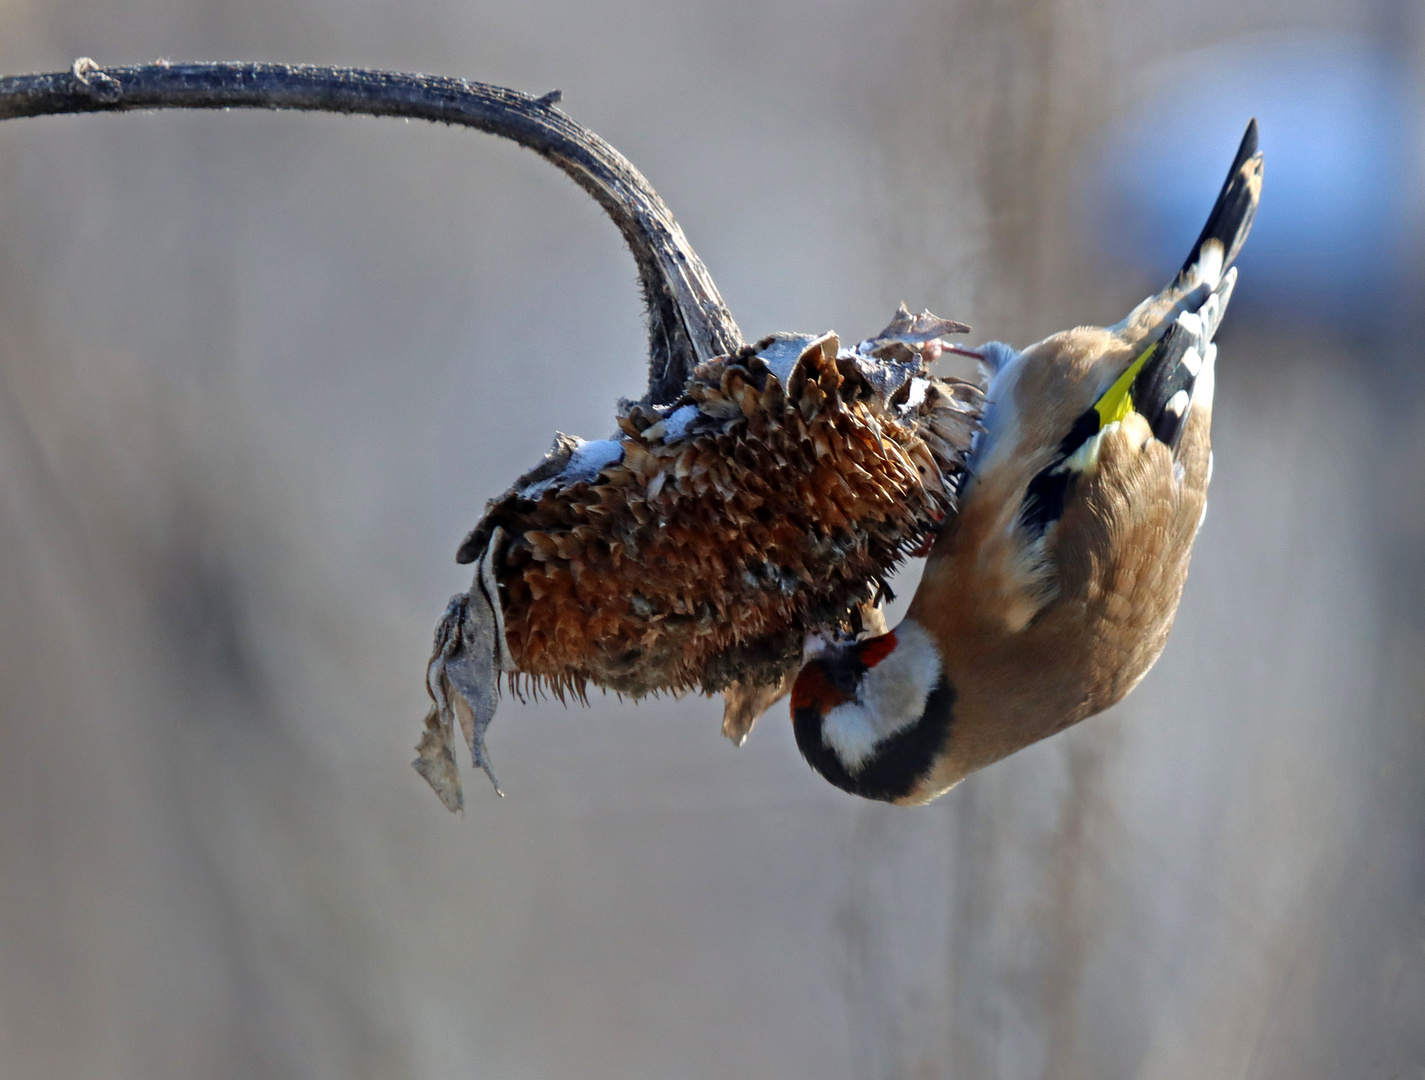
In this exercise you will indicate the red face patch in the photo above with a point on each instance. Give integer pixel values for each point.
(813, 690)
(877, 649)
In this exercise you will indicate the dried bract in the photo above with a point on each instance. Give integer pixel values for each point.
(697, 548)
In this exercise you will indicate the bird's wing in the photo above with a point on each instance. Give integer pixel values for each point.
(1167, 380)
(1172, 335)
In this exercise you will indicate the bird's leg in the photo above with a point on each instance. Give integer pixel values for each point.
(959, 350)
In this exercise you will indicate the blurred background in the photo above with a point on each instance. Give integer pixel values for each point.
(258, 374)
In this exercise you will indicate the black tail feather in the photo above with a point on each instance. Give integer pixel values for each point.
(1236, 206)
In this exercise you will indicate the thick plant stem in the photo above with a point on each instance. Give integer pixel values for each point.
(687, 320)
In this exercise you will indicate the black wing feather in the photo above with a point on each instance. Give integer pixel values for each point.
(1171, 368)
(1164, 375)
(1049, 490)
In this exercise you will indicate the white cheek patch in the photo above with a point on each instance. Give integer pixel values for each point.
(852, 733)
(890, 699)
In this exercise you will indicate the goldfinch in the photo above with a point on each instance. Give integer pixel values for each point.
(1051, 592)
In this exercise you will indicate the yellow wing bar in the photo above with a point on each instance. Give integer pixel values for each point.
(1117, 400)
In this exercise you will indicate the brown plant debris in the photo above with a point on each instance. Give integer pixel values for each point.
(698, 547)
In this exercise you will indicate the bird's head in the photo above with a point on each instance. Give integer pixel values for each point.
(873, 716)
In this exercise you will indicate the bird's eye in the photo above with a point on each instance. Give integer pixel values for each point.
(844, 676)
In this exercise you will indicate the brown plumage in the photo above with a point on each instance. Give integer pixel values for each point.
(1051, 592)
(1108, 618)
(768, 502)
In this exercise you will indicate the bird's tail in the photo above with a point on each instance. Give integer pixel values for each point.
(1231, 218)
(1214, 252)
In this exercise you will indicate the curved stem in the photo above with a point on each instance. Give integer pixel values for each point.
(687, 319)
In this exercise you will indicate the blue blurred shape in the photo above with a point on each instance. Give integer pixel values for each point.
(1338, 128)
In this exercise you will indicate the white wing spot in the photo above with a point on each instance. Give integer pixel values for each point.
(1191, 321)
(1209, 263)
(1085, 458)
(1203, 389)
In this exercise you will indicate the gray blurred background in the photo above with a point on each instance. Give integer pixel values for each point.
(258, 374)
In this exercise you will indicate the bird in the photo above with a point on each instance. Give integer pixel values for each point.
(734, 533)
(1051, 592)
